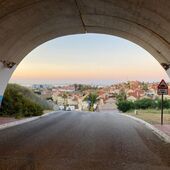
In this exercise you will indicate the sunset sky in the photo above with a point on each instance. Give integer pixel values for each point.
(90, 59)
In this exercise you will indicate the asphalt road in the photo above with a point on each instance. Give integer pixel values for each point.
(82, 141)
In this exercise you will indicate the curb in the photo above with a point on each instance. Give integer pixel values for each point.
(19, 122)
(156, 131)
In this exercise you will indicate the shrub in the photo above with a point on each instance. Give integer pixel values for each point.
(125, 105)
(16, 104)
(27, 93)
(144, 104)
(166, 104)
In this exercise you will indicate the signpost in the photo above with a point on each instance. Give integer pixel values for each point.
(162, 90)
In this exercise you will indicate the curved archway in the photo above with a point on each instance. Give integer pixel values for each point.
(26, 25)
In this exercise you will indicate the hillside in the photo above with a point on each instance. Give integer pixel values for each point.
(19, 100)
(30, 95)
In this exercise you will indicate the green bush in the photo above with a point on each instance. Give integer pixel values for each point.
(144, 104)
(16, 104)
(125, 105)
(166, 104)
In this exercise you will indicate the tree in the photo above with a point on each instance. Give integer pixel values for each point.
(83, 87)
(121, 96)
(92, 99)
(65, 96)
(144, 86)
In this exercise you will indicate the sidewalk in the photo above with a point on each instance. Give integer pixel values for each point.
(163, 128)
(4, 120)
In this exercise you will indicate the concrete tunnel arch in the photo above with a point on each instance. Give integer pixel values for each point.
(24, 25)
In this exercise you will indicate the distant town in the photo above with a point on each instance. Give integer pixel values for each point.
(74, 96)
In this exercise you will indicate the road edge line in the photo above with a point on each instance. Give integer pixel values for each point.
(163, 136)
(19, 122)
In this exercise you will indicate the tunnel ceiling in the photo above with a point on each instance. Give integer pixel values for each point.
(25, 24)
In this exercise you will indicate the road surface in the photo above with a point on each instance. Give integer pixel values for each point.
(82, 141)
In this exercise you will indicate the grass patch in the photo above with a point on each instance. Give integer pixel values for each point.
(151, 116)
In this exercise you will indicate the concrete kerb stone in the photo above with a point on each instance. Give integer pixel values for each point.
(19, 122)
(156, 131)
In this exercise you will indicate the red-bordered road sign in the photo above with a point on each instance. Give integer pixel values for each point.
(162, 88)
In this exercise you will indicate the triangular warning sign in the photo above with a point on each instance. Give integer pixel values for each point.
(162, 85)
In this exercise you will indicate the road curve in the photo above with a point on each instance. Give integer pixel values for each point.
(82, 141)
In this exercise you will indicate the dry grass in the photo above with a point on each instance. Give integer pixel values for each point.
(152, 116)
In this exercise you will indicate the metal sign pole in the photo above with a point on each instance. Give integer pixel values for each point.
(162, 89)
(162, 107)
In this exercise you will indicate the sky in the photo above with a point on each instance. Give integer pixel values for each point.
(90, 59)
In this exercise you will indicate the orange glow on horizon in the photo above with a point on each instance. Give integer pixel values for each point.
(68, 72)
